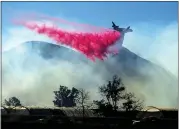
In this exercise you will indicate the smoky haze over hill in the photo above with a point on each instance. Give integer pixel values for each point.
(33, 70)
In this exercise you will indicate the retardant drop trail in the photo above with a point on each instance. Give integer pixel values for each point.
(93, 45)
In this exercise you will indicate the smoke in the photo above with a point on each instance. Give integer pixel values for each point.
(33, 79)
(157, 43)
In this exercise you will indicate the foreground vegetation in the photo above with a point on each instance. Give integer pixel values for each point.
(114, 96)
(116, 110)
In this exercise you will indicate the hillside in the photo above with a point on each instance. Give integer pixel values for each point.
(149, 81)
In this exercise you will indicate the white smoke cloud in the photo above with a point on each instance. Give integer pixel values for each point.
(35, 87)
(156, 43)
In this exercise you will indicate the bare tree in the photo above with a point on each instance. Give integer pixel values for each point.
(82, 99)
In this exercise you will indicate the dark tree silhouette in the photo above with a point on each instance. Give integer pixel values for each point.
(65, 97)
(132, 103)
(113, 91)
(13, 101)
(103, 106)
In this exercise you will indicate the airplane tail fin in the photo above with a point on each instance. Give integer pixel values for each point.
(113, 25)
(128, 27)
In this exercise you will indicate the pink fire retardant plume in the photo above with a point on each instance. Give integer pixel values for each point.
(93, 45)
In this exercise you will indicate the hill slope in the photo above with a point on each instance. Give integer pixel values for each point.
(58, 65)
